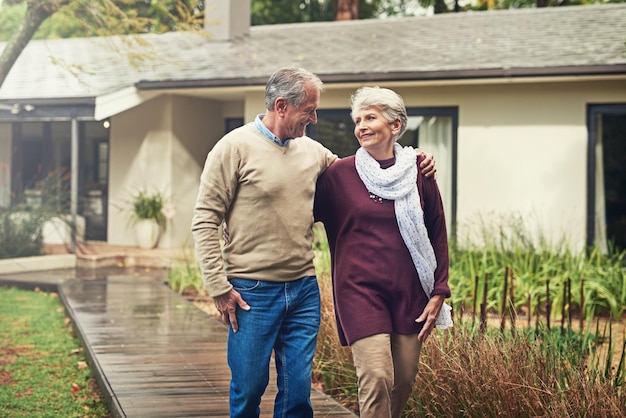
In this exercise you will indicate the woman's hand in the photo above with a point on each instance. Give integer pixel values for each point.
(430, 315)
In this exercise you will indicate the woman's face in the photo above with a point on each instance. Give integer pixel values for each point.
(375, 133)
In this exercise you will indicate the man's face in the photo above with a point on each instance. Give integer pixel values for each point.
(294, 120)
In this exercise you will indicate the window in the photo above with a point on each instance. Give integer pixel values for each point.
(433, 130)
(232, 123)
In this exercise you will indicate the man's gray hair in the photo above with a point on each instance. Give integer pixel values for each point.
(290, 83)
(390, 104)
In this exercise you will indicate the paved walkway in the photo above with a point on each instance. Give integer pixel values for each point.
(153, 353)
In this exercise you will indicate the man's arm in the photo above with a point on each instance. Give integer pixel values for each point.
(217, 185)
(428, 165)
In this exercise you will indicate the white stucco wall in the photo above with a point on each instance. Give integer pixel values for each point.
(197, 125)
(160, 145)
(522, 152)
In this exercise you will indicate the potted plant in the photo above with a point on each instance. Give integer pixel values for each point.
(150, 214)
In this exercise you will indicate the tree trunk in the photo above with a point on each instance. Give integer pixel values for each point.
(36, 12)
(346, 9)
(440, 6)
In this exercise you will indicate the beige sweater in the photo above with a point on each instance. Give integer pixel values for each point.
(265, 193)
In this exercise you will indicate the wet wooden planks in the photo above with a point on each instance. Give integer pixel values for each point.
(157, 355)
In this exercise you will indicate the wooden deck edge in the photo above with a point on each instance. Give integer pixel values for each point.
(115, 409)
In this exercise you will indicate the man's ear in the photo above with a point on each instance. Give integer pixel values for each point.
(280, 105)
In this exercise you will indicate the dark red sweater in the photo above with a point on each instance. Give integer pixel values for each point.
(376, 287)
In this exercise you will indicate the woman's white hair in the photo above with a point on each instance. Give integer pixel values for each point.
(390, 104)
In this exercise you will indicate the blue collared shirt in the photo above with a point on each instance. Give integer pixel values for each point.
(261, 127)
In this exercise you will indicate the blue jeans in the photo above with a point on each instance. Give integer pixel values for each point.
(283, 317)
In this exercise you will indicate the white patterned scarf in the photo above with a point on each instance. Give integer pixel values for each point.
(399, 183)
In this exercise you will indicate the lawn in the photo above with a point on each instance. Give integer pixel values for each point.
(43, 371)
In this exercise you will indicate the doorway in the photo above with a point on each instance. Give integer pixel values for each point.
(606, 223)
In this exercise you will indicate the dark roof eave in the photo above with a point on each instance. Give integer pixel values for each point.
(52, 101)
(589, 70)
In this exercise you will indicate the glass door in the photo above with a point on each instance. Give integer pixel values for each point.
(606, 217)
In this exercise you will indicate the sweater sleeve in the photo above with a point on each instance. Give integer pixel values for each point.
(218, 185)
(434, 218)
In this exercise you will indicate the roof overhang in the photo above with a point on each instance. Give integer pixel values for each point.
(493, 75)
(119, 101)
(49, 109)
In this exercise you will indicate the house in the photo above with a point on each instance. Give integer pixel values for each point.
(525, 111)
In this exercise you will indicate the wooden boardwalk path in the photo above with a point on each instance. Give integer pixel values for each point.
(154, 354)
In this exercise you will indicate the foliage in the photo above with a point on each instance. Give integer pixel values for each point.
(527, 371)
(466, 373)
(85, 18)
(185, 276)
(44, 371)
(521, 4)
(150, 205)
(75, 18)
(20, 235)
(107, 17)
(10, 18)
(268, 12)
(597, 281)
(21, 225)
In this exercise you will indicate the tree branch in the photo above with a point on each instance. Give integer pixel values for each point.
(37, 11)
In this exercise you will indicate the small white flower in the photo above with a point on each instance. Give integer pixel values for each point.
(168, 210)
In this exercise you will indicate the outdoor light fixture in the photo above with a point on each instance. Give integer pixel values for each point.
(106, 124)
(16, 108)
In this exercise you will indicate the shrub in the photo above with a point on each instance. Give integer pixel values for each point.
(21, 225)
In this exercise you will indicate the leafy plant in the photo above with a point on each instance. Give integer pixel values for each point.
(597, 281)
(21, 225)
(151, 205)
(184, 275)
(20, 234)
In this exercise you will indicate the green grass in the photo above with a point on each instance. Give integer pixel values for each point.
(43, 372)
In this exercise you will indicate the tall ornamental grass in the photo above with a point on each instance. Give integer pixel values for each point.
(467, 374)
(537, 272)
(525, 370)
(521, 371)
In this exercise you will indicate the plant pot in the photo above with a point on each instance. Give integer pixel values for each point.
(147, 232)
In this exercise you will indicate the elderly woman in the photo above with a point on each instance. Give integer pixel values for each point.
(387, 236)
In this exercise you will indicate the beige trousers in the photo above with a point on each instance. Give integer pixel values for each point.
(386, 367)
